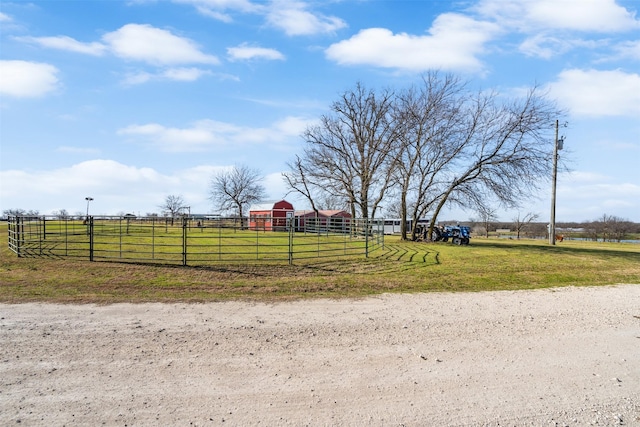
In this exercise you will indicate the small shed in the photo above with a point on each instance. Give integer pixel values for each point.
(324, 220)
(270, 216)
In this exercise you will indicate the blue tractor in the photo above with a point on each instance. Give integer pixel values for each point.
(459, 234)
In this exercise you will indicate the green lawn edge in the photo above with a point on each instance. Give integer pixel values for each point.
(401, 267)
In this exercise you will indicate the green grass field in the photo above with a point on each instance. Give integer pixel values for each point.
(158, 242)
(486, 264)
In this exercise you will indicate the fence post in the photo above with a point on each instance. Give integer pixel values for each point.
(366, 237)
(90, 238)
(184, 241)
(40, 232)
(291, 227)
(19, 235)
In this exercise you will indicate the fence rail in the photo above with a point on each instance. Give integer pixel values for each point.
(192, 241)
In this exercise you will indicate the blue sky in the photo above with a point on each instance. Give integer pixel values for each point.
(131, 101)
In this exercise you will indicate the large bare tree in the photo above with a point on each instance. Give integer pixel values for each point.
(350, 152)
(506, 151)
(236, 189)
(429, 125)
(433, 144)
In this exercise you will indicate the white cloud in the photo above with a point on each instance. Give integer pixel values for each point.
(196, 138)
(627, 50)
(290, 16)
(217, 9)
(23, 79)
(205, 134)
(454, 43)
(104, 180)
(295, 20)
(553, 27)
(155, 46)
(184, 74)
(77, 178)
(292, 126)
(138, 77)
(181, 74)
(598, 93)
(547, 46)
(590, 195)
(246, 52)
(5, 18)
(66, 43)
(585, 15)
(536, 15)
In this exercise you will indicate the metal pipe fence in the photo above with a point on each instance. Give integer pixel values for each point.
(193, 241)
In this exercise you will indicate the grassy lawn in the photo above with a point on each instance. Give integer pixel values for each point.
(486, 264)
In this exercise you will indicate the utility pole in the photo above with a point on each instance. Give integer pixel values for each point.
(552, 222)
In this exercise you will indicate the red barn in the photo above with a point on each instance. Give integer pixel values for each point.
(327, 220)
(270, 216)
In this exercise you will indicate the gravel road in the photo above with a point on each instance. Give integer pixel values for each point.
(562, 356)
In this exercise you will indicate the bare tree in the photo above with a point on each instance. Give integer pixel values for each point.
(505, 152)
(61, 214)
(486, 215)
(611, 227)
(521, 224)
(300, 179)
(20, 212)
(432, 145)
(172, 205)
(350, 152)
(428, 122)
(235, 190)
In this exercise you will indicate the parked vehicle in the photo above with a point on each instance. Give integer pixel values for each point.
(459, 234)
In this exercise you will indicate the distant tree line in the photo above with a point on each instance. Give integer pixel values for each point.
(608, 228)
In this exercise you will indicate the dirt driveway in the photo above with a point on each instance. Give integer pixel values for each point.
(566, 356)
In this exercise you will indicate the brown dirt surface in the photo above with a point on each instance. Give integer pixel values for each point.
(562, 356)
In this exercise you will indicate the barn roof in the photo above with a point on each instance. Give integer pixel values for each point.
(262, 207)
(266, 206)
(322, 212)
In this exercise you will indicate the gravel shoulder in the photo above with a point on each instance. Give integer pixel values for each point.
(562, 356)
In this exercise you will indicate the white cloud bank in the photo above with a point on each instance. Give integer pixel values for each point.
(134, 42)
(66, 43)
(585, 196)
(155, 46)
(222, 9)
(294, 18)
(454, 43)
(115, 187)
(245, 52)
(140, 43)
(205, 134)
(534, 15)
(595, 93)
(24, 79)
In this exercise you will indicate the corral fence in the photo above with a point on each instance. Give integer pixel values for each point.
(192, 241)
